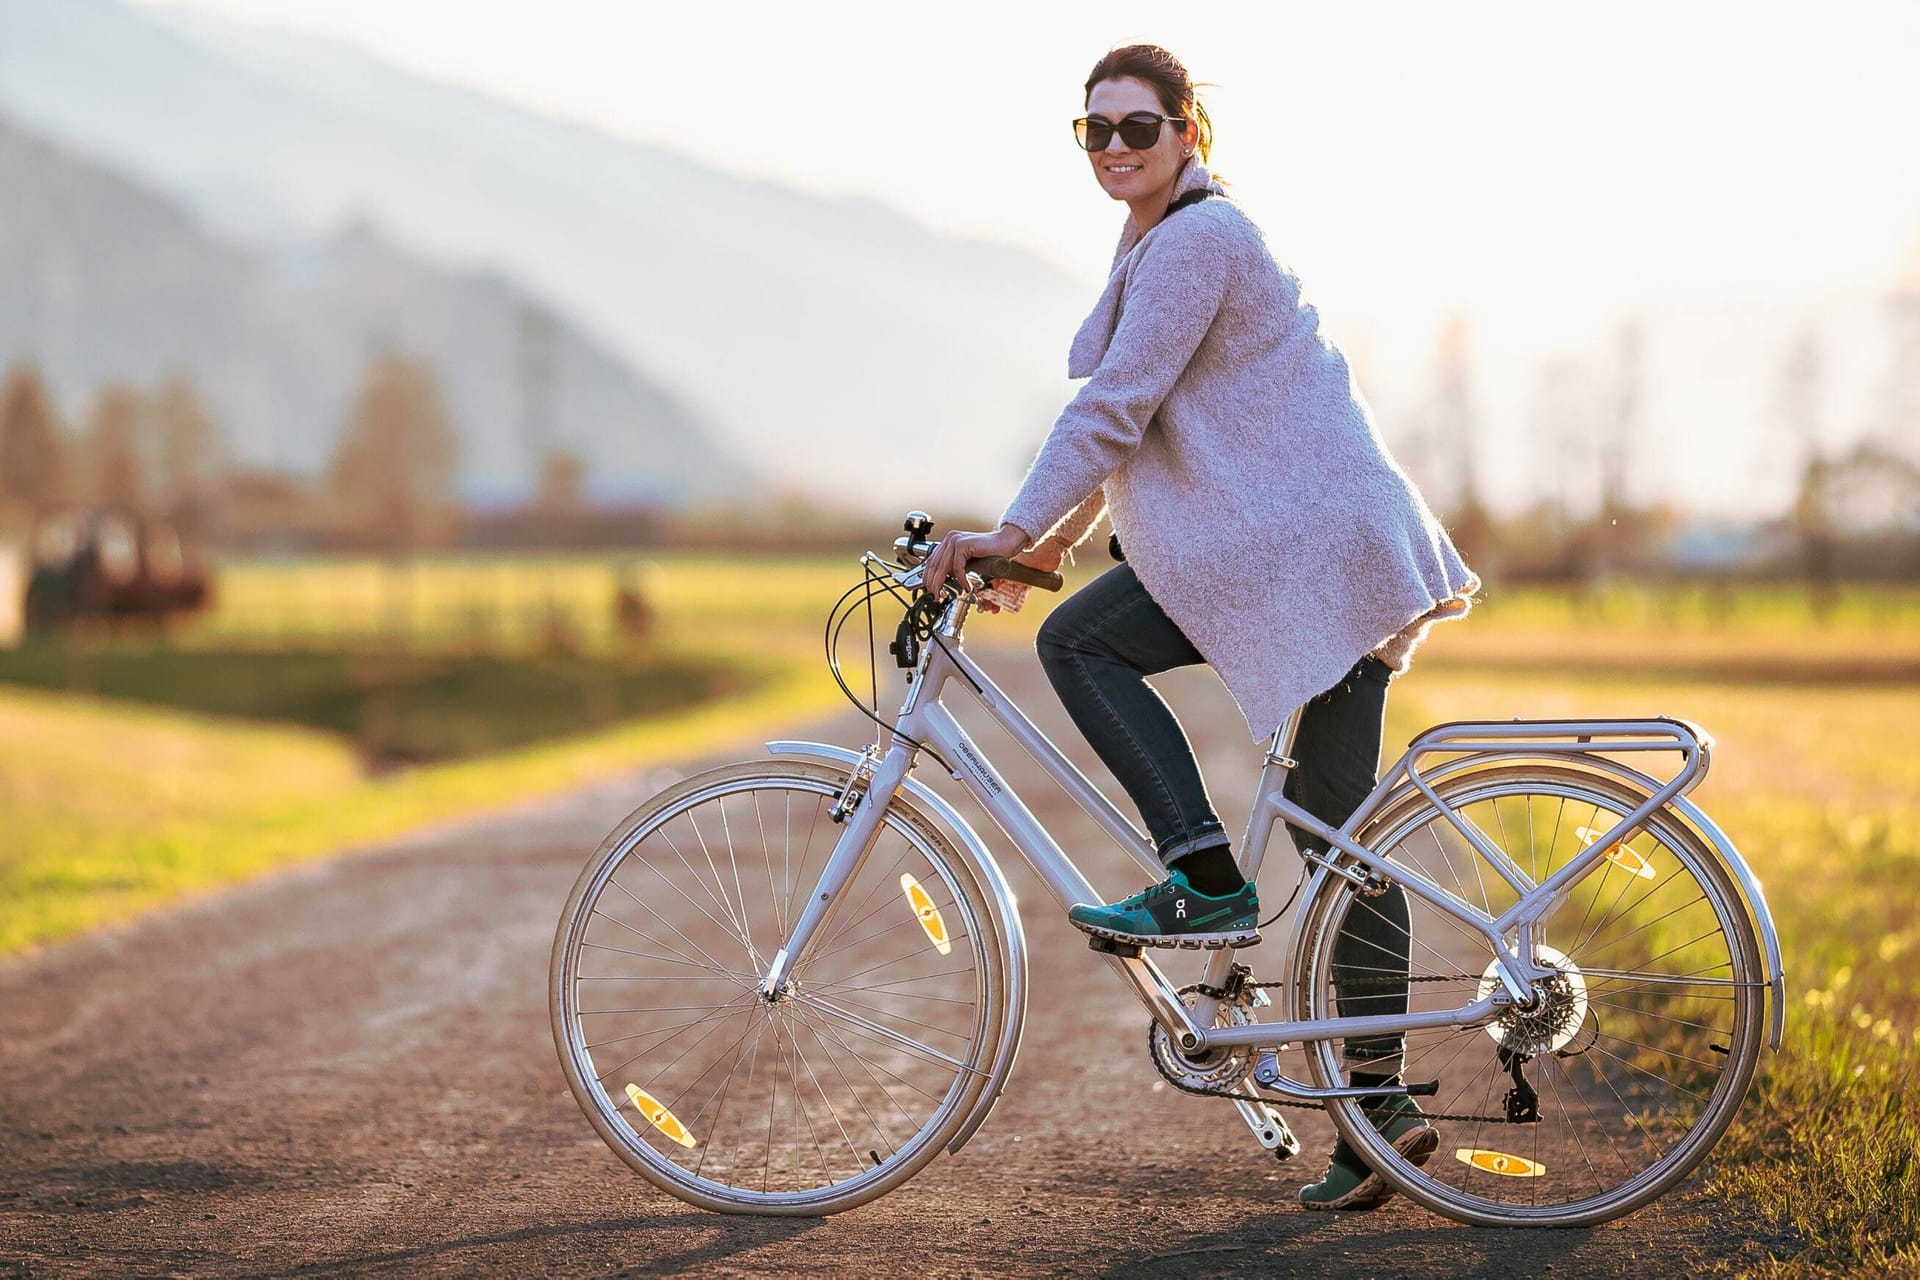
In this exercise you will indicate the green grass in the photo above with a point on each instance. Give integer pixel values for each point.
(514, 602)
(113, 809)
(395, 707)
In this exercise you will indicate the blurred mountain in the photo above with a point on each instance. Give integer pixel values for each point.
(103, 280)
(835, 343)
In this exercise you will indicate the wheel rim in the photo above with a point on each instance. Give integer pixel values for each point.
(1636, 1059)
(738, 1102)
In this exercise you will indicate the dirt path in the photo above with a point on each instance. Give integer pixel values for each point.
(347, 1070)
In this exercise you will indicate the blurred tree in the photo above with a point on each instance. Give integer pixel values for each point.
(563, 484)
(1559, 414)
(192, 455)
(1900, 427)
(1619, 538)
(1812, 505)
(391, 478)
(115, 474)
(1456, 429)
(33, 455)
(1874, 491)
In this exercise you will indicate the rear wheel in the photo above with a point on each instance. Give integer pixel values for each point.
(809, 1104)
(1632, 1062)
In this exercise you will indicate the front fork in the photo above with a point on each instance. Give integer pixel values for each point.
(862, 826)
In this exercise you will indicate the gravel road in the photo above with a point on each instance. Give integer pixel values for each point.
(346, 1069)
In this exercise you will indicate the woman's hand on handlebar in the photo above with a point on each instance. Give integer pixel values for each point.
(949, 559)
(1006, 594)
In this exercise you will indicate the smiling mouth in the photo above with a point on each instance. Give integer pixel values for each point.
(1123, 168)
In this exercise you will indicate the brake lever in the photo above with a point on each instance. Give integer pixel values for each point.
(912, 551)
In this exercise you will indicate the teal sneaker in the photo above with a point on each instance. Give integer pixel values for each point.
(1348, 1183)
(1175, 914)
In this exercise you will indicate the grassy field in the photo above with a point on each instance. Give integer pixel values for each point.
(524, 602)
(114, 805)
(395, 708)
(112, 809)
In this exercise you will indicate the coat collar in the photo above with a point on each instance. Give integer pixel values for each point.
(1090, 343)
(1193, 176)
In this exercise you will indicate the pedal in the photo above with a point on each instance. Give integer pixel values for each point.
(1111, 947)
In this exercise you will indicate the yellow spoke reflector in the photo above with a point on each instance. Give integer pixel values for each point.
(1621, 855)
(1501, 1163)
(929, 915)
(659, 1117)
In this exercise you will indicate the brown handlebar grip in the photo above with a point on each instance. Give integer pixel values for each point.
(1013, 571)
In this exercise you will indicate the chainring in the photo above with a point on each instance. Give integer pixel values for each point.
(1215, 1072)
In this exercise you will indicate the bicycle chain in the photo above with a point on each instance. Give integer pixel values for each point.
(1218, 993)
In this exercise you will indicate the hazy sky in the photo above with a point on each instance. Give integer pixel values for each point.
(1420, 154)
(1540, 165)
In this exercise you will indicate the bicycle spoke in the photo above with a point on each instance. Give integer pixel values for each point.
(1615, 1058)
(726, 1091)
(869, 1066)
(876, 1030)
(613, 919)
(846, 1076)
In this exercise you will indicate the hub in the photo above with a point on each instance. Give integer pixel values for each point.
(1553, 1018)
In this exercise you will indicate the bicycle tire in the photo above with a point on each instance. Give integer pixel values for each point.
(874, 1093)
(1636, 1070)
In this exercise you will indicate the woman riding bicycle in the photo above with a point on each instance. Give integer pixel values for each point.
(1266, 531)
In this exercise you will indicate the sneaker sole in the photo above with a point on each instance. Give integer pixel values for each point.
(1185, 941)
(1372, 1191)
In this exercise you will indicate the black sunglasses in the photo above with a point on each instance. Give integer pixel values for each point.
(1139, 130)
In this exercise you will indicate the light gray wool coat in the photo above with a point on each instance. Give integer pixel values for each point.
(1241, 467)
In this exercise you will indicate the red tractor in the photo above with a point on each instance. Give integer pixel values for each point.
(113, 565)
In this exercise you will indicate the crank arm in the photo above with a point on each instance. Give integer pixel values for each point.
(1269, 1127)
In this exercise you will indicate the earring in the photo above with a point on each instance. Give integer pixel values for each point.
(1187, 152)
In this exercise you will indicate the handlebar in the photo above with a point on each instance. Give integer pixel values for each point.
(988, 567)
(919, 544)
(992, 567)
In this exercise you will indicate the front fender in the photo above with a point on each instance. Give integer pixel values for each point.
(1000, 900)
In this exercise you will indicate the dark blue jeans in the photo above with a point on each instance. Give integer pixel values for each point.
(1099, 646)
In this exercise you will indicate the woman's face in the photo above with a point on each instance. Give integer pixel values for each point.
(1126, 173)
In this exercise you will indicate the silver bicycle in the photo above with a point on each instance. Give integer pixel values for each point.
(783, 986)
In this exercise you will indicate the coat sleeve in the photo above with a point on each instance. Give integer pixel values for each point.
(1168, 303)
(1078, 523)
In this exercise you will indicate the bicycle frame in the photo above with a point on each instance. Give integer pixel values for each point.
(923, 721)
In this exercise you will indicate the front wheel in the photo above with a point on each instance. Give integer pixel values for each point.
(1632, 1062)
(822, 1099)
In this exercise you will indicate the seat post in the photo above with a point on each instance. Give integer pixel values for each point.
(1273, 777)
(1280, 749)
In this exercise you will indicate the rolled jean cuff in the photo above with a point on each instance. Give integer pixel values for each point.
(1205, 838)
